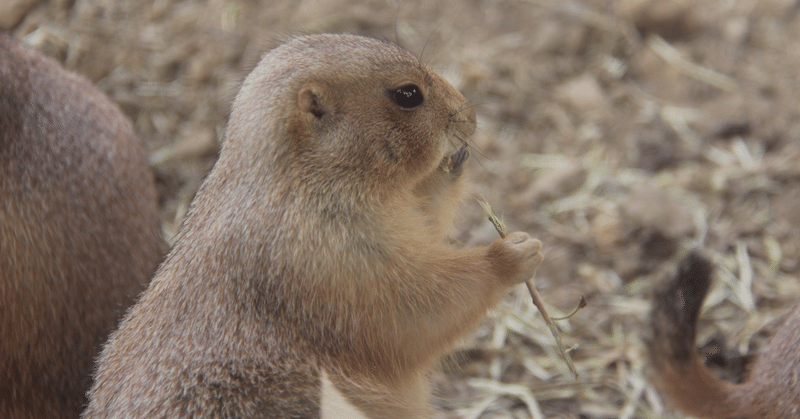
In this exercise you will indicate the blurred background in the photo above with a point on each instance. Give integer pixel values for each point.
(620, 133)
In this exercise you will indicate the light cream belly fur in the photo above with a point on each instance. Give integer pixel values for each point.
(334, 404)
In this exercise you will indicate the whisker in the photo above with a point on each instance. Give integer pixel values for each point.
(396, 15)
(479, 156)
(454, 146)
(431, 35)
(461, 109)
(471, 144)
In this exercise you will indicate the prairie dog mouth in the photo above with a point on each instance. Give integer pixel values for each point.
(454, 163)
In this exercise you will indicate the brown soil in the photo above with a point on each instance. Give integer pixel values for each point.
(619, 133)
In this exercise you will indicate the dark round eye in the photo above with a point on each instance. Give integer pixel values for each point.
(407, 97)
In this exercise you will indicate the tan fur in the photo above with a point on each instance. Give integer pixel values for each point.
(78, 231)
(316, 242)
(772, 389)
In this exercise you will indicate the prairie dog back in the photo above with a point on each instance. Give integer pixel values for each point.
(78, 231)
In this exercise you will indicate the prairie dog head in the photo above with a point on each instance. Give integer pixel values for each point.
(329, 108)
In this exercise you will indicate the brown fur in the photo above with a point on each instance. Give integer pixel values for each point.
(314, 246)
(773, 387)
(78, 231)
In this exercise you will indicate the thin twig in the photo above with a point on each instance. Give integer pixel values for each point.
(537, 301)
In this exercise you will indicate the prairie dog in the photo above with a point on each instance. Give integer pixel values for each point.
(772, 389)
(315, 249)
(78, 231)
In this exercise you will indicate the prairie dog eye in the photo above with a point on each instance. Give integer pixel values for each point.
(407, 97)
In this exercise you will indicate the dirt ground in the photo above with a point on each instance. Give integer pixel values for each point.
(621, 133)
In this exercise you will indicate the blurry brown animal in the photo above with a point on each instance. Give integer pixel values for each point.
(772, 390)
(312, 267)
(78, 231)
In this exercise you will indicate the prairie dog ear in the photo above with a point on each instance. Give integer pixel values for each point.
(310, 100)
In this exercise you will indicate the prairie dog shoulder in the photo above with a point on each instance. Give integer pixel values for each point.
(78, 231)
(314, 247)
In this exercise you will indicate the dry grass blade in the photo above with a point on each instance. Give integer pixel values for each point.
(498, 224)
(581, 304)
(697, 72)
(537, 300)
(514, 390)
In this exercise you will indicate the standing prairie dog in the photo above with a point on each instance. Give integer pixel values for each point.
(772, 390)
(78, 231)
(312, 268)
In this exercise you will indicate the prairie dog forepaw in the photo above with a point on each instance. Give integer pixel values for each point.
(516, 258)
(458, 159)
(454, 164)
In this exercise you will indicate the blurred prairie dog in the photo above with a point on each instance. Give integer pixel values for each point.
(312, 268)
(78, 231)
(772, 389)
